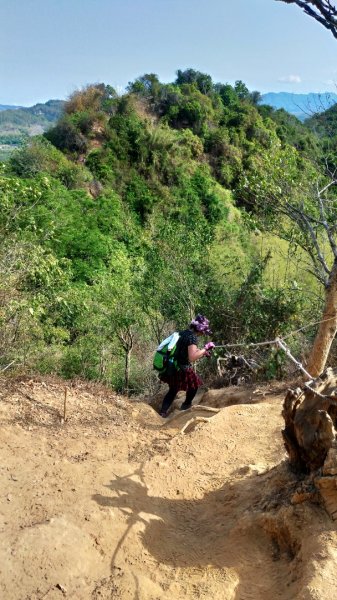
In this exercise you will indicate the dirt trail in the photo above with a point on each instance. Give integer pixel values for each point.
(116, 503)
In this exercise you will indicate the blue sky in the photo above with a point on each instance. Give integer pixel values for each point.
(49, 48)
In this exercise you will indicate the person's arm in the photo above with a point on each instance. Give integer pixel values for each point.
(194, 353)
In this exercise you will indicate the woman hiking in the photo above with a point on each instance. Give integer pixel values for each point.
(187, 352)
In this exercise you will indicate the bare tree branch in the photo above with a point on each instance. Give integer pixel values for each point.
(323, 11)
(329, 230)
(305, 223)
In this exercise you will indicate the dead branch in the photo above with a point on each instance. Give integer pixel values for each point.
(323, 11)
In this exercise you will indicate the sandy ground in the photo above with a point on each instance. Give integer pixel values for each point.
(116, 503)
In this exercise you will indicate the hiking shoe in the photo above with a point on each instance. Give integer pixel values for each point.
(163, 414)
(185, 406)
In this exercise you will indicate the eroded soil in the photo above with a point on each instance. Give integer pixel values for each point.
(116, 503)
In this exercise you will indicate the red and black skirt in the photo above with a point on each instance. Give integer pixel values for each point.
(183, 380)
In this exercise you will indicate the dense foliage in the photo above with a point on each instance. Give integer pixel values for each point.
(136, 211)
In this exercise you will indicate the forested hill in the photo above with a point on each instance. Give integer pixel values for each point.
(41, 114)
(133, 213)
(18, 123)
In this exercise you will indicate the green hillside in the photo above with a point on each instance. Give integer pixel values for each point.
(134, 212)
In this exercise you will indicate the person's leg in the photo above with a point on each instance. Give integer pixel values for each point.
(170, 396)
(189, 397)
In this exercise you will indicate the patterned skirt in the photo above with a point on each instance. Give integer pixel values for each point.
(183, 380)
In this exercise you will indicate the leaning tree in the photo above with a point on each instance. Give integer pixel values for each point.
(323, 220)
(298, 202)
(310, 414)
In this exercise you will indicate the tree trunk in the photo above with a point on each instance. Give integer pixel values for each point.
(310, 438)
(310, 416)
(327, 329)
(127, 369)
(126, 337)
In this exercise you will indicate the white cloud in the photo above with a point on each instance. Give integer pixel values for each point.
(291, 79)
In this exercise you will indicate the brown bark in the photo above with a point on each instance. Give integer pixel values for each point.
(327, 328)
(126, 338)
(127, 369)
(310, 417)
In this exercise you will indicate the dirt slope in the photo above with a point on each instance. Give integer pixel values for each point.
(116, 503)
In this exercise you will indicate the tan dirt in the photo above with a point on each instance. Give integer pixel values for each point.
(116, 503)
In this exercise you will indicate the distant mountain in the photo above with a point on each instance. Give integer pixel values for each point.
(39, 114)
(8, 107)
(302, 106)
(19, 123)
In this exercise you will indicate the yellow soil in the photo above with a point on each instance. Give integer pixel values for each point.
(115, 503)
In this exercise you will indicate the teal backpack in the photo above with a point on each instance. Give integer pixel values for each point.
(164, 360)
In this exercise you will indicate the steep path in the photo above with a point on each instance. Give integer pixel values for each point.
(117, 504)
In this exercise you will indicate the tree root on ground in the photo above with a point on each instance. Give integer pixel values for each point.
(194, 421)
(180, 414)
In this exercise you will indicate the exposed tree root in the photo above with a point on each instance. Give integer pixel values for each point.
(193, 422)
(310, 437)
(197, 407)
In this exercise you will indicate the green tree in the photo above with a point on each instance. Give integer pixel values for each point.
(202, 81)
(299, 204)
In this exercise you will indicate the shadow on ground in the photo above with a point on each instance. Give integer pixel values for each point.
(226, 529)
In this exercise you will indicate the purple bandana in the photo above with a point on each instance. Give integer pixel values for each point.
(200, 323)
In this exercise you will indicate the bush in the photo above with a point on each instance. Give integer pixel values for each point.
(66, 137)
(40, 156)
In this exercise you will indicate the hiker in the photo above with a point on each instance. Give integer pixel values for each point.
(187, 352)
